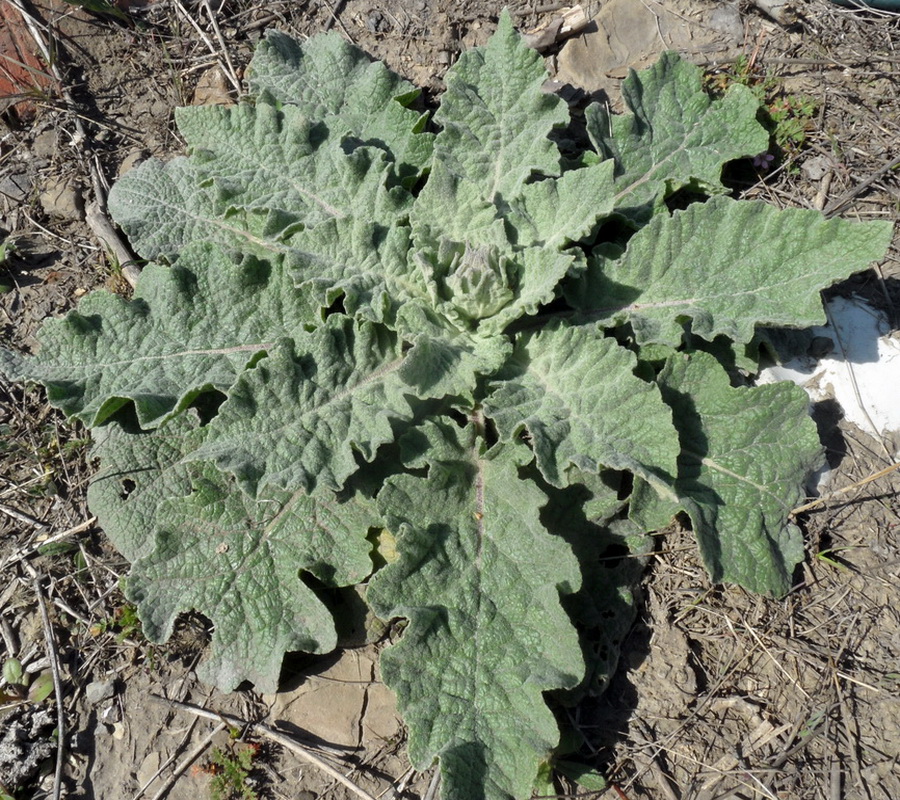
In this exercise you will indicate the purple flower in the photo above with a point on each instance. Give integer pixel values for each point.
(763, 161)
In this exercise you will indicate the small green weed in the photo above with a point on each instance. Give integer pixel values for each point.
(101, 7)
(791, 116)
(230, 769)
(6, 247)
(831, 556)
(124, 623)
(787, 116)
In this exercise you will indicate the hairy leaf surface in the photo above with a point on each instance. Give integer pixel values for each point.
(362, 264)
(675, 135)
(485, 267)
(745, 455)
(330, 80)
(277, 162)
(259, 174)
(139, 471)
(479, 580)
(554, 212)
(188, 329)
(726, 266)
(581, 406)
(198, 544)
(496, 119)
(237, 560)
(300, 417)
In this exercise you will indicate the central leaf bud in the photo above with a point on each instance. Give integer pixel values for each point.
(478, 280)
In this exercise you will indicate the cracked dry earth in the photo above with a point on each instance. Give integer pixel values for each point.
(719, 694)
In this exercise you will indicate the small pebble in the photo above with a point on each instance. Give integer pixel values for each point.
(816, 167)
(98, 691)
(62, 198)
(44, 145)
(15, 186)
(212, 89)
(130, 161)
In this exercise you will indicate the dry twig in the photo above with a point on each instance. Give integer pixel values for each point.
(223, 61)
(102, 228)
(433, 786)
(844, 200)
(26, 552)
(827, 498)
(189, 759)
(21, 516)
(109, 238)
(569, 22)
(270, 733)
(663, 780)
(57, 681)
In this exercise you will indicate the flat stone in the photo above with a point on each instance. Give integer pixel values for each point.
(44, 145)
(98, 691)
(212, 89)
(344, 705)
(133, 159)
(15, 187)
(817, 167)
(62, 198)
(149, 767)
(633, 33)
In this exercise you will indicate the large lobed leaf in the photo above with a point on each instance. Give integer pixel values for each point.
(302, 415)
(329, 80)
(328, 138)
(258, 175)
(238, 561)
(199, 544)
(724, 267)
(580, 404)
(745, 454)
(291, 170)
(189, 329)
(675, 135)
(496, 118)
(479, 579)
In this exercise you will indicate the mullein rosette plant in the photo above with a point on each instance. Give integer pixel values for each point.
(488, 359)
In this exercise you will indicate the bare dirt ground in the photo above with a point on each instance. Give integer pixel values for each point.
(719, 693)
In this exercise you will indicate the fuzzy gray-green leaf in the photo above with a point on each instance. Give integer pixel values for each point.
(258, 174)
(676, 135)
(189, 329)
(139, 471)
(197, 543)
(479, 580)
(237, 560)
(301, 416)
(579, 404)
(330, 80)
(496, 118)
(746, 453)
(724, 267)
